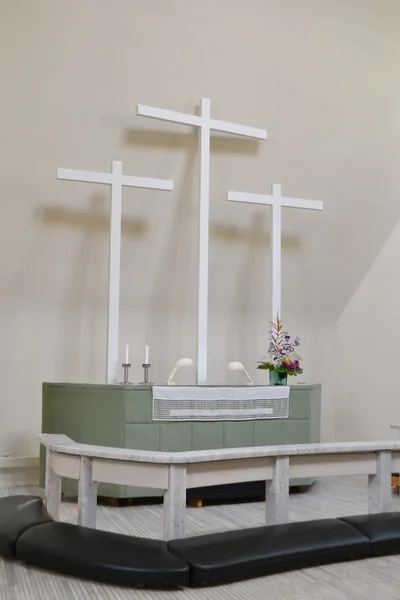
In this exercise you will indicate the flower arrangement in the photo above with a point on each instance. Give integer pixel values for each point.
(282, 356)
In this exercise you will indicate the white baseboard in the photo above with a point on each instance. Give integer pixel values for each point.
(17, 471)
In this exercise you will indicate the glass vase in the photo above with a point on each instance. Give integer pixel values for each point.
(276, 378)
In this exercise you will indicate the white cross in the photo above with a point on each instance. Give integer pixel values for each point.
(205, 124)
(276, 201)
(116, 180)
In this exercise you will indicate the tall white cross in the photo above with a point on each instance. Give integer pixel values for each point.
(116, 180)
(205, 124)
(276, 201)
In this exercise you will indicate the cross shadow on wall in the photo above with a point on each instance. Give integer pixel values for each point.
(16, 297)
(83, 307)
(77, 327)
(253, 278)
(173, 298)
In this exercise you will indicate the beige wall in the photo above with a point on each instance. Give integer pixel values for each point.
(321, 76)
(368, 333)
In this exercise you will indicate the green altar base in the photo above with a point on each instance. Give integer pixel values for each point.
(121, 416)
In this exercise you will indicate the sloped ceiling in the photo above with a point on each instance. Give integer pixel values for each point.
(350, 127)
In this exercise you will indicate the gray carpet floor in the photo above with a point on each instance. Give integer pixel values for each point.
(374, 579)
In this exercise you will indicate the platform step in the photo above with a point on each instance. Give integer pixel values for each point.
(116, 502)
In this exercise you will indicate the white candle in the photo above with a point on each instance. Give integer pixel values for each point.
(146, 355)
(127, 354)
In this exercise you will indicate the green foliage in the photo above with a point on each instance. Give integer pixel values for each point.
(281, 356)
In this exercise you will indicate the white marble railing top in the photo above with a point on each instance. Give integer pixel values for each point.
(64, 445)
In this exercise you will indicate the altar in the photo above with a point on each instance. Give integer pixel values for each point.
(198, 417)
(128, 416)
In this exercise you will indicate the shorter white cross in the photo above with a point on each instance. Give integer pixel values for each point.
(276, 201)
(116, 180)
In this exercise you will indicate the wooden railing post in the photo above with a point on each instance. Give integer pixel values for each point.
(87, 494)
(277, 493)
(379, 485)
(175, 503)
(52, 492)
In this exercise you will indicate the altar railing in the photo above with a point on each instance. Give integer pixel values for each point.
(175, 472)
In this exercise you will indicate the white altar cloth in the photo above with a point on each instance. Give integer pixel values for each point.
(220, 403)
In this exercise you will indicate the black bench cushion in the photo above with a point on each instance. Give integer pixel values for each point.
(383, 529)
(102, 556)
(246, 553)
(17, 515)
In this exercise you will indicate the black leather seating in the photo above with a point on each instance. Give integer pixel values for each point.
(245, 553)
(383, 529)
(102, 556)
(28, 533)
(17, 515)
